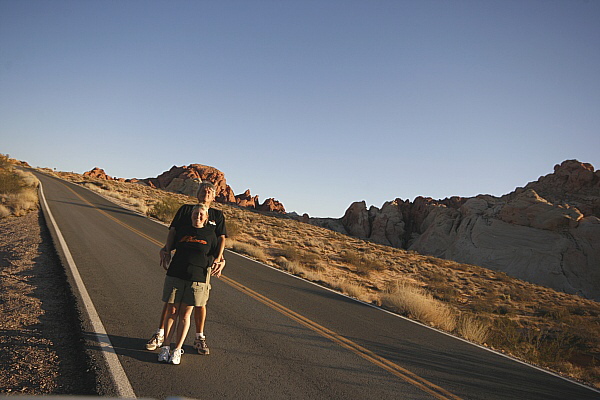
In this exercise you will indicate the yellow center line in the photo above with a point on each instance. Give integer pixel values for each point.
(402, 373)
(384, 363)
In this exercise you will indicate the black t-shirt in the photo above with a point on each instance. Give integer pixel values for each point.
(216, 219)
(195, 250)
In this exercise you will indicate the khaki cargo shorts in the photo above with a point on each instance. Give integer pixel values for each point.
(178, 290)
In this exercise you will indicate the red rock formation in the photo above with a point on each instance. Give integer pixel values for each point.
(182, 179)
(97, 173)
(246, 200)
(186, 179)
(271, 205)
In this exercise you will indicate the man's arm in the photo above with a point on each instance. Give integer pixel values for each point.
(219, 263)
(165, 252)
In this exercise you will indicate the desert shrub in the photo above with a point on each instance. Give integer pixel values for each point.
(23, 201)
(315, 276)
(349, 288)
(518, 293)
(318, 265)
(10, 182)
(364, 265)
(545, 346)
(442, 290)
(234, 228)
(5, 161)
(290, 266)
(28, 179)
(491, 302)
(540, 345)
(557, 314)
(165, 209)
(473, 328)
(505, 334)
(350, 257)
(289, 252)
(435, 276)
(309, 259)
(249, 250)
(138, 204)
(17, 192)
(415, 302)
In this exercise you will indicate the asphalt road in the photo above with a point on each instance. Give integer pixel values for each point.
(271, 335)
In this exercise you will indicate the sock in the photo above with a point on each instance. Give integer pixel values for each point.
(200, 335)
(161, 332)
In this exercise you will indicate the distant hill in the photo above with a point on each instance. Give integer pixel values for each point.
(547, 232)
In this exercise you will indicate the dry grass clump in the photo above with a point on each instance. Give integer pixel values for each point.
(473, 328)
(18, 189)
(234, 228)
(363, 264)
(348, 287)
(552, 329)
(415, 302)
(298, 269)
(247, 249)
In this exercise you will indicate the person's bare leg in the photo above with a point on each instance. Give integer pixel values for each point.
(163, 316)
(183, 324)
(157, 339)
(171, 311)
(200, 318)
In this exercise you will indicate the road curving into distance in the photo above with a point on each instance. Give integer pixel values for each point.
(271, 335)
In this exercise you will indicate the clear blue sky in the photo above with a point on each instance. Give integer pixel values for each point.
(316, 103)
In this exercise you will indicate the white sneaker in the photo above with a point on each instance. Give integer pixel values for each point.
(164, 354)
(176, 356)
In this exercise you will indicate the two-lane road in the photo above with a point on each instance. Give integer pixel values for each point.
(271, 335)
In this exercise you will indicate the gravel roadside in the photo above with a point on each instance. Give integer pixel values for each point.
(42, 349)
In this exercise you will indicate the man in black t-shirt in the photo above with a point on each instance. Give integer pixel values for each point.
(187, 284)
(206, 194)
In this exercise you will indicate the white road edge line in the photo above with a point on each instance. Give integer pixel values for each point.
(122, 384)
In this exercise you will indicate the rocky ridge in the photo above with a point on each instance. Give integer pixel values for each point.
(186, 180)
(547, 232)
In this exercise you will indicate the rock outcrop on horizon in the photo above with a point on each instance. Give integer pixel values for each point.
(547, 232)
(98, 173)
(186, 180)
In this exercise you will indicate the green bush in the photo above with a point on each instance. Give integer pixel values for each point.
(165, 209)
(10, 182)
(234, 228)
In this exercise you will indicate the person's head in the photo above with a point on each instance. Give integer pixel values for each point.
(206, 192)
(199, 215)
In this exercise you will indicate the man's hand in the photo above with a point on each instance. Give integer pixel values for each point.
(217, 267)
(165, 258)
